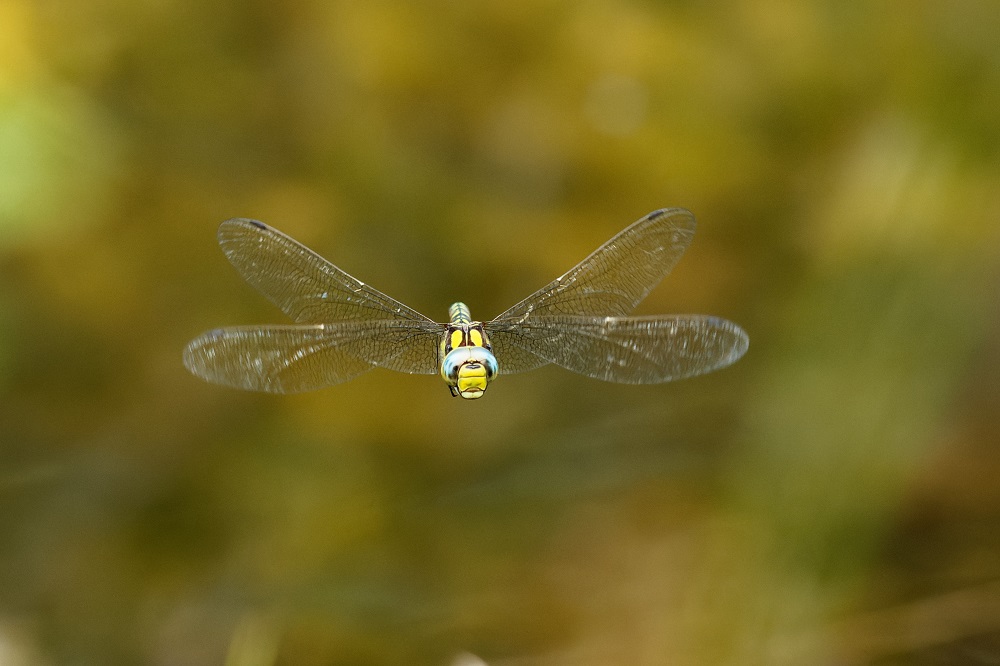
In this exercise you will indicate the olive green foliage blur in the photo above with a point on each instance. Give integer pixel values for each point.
(831, 498)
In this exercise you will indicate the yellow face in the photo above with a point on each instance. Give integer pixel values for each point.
(472, 380)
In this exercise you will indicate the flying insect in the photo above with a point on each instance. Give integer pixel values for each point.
(581, 321)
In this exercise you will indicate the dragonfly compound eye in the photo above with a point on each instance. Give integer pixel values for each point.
(469, 370)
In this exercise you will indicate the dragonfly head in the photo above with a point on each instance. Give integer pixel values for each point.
(468, 371)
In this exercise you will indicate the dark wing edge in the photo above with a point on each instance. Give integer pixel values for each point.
(304, 285)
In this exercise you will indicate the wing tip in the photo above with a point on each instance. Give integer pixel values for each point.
(192, 356)
(739, 340)
(242, 222)
(670, 212)
(742, 343)
(235, 225)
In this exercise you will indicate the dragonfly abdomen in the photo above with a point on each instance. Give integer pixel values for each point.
(459, 313)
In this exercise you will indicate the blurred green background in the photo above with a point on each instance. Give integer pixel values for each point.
(830, 499)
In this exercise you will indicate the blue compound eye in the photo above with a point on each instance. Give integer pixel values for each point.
(490, 361)
(469, 370)
(452, 363)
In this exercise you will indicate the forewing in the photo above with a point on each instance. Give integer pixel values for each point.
(307, 287)
(610, 282)
(295, 358)
(633, 350)
(617, 275)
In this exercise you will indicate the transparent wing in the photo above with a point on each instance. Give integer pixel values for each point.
(275, 359)
(610, 282)
(295, 358)
(617, 275)
(633, 350)
(307, 287)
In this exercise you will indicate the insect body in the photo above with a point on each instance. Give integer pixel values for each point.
(579, 321)
(467, 361)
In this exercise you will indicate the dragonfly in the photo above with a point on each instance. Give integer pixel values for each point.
(581, 321)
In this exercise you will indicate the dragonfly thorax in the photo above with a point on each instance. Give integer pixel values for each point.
(467, 361)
